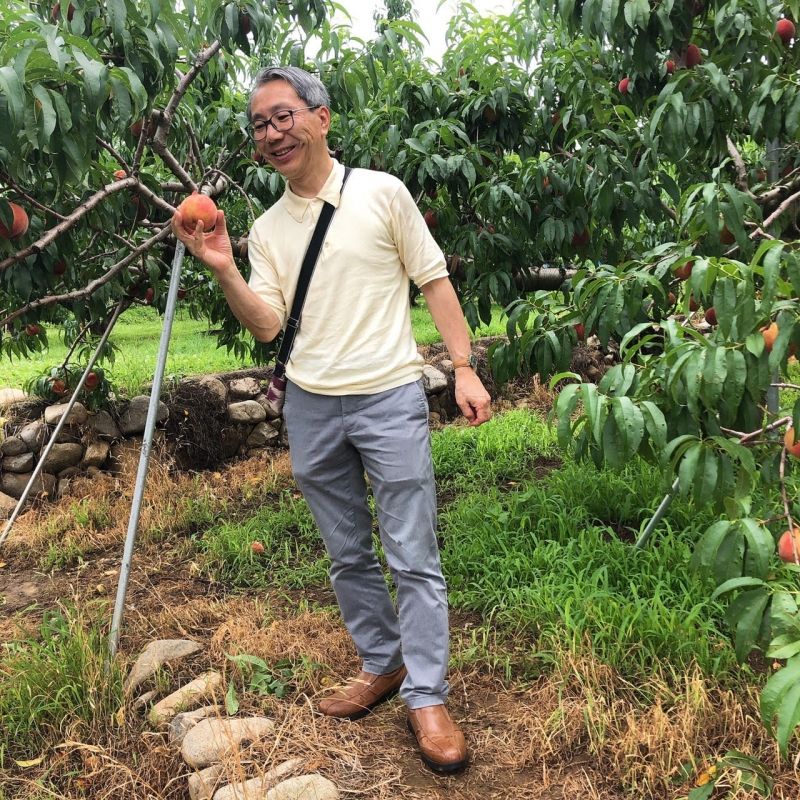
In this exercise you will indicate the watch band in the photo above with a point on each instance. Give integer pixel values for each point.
(471, 361)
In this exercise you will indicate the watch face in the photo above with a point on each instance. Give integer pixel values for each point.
(472, 361)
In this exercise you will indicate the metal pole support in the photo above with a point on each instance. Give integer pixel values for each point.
(144, 459)
(641, 542)
(43, 456)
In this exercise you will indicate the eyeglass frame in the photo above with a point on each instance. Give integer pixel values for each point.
(267, 122)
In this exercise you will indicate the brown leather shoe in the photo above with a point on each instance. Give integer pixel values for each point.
(361, 694)
(441, 743)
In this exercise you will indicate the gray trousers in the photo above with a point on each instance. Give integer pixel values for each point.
(333, 441)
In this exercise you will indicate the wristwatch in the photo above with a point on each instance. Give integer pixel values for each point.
(470, 361)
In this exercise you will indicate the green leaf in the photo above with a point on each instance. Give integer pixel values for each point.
(231, 700)
(745, 615)
(736, 583)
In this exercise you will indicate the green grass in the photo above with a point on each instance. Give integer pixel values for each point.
(193, 350)
(547, 561)
(293, 554)
(55, 684)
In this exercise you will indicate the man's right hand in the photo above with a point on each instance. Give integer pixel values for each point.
(213, 249)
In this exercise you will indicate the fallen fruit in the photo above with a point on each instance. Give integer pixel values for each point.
(198, 208)
(711, 316)
(786, 548)
(257, 548)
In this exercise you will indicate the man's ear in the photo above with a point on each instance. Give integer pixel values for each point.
(325, 118)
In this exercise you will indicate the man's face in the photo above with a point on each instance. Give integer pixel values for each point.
(296, 152)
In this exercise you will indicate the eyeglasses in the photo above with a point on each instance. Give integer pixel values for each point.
(282, 121)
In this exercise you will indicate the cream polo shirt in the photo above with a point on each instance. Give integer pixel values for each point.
(355, 330)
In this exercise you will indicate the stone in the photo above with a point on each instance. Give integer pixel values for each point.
(268, 410)
(134, 417)
(182, 723)
(77, 416)
(212, 739)
(34, 434)
(69, 472)
(258, 787)
(14, 483)
(102, 423)
(154, 655)
(230, 439)
(434, 417)
(215, 386)
(68, 435)
(433, 380)
(9, 396)
(7, 505)
(245, 388)
(62, 456)
(13, 446)
(304, 787)
(248, 411)
(140, 703)
(24, 463)
(188, 696)
(96, 454)
(262, 435)
(204, 783)
(284, 435)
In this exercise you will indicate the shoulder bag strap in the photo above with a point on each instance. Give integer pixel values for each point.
(306, 270)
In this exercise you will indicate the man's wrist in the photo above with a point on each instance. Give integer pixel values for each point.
(469, 362)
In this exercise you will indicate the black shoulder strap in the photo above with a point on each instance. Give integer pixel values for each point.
(306, 271)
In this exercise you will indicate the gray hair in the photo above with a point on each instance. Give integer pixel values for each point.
(310, 89)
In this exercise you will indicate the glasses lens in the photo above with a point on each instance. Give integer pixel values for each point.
(258, 130)
(283, 120)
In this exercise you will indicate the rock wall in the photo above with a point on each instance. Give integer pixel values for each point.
(202, 421)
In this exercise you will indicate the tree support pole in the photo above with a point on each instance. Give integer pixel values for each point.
(43, 456)
(144, 458)
(641, 542)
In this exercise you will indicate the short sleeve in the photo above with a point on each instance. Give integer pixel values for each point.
(264, 279)
(420, 255)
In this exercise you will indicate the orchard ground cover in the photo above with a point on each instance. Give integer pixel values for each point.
(579, 665)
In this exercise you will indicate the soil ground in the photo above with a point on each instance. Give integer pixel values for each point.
(529, 739)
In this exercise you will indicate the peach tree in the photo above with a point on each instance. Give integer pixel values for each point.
(642, 155)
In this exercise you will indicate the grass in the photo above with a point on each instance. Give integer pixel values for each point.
(193, 349)
(548, 560)
(55, 685)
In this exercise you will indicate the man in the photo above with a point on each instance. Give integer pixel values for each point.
(354, 401)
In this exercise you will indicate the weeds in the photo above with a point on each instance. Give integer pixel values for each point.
(56, 681)
(278, 546)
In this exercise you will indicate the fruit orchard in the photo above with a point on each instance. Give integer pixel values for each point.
(648, 151)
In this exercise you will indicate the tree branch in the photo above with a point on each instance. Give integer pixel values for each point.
(781, 209)
(94, 285)
(68, 222)
(741, 169)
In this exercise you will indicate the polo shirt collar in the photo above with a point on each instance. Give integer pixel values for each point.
(330, 192)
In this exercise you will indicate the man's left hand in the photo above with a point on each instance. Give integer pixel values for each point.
(472, 397)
